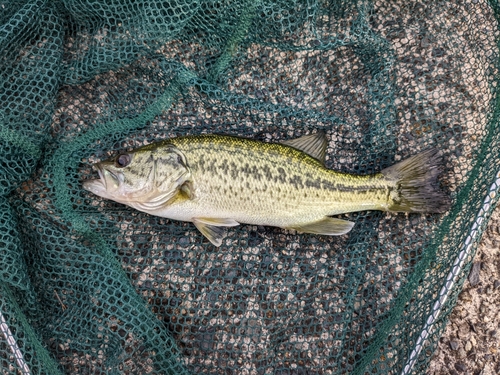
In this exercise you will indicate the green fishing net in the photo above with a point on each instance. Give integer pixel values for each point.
(89, 286)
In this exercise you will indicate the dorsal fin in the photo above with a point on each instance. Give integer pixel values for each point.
(312, 144)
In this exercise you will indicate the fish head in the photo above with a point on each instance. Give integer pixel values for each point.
(145, 176)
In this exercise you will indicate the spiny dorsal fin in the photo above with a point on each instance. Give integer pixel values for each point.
(329, 226)
(312, 144)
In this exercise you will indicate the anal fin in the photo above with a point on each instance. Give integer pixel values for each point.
(328, 226)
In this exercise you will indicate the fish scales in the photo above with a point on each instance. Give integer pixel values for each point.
(271, 183)
(217, 181)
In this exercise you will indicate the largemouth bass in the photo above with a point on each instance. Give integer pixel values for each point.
(219, 181)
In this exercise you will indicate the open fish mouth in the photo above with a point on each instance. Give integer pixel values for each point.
(97, 186)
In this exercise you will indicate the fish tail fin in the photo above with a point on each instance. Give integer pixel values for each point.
(417, 185)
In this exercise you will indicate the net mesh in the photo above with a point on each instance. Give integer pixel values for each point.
(89, 286)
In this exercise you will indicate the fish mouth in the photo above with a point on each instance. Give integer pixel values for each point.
(97, 186)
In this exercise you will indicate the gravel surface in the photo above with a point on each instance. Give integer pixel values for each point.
(471, 342)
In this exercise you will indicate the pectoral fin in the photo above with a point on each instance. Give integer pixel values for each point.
(213, 229)
(187, 189)
(328, 226)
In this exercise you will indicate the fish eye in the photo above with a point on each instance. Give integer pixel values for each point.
(122, 160)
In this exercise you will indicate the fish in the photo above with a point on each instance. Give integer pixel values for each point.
(220, 181)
